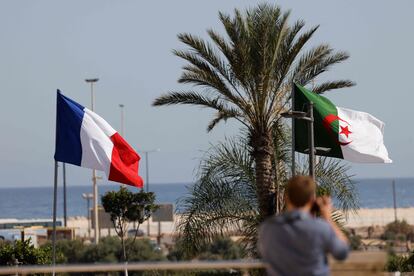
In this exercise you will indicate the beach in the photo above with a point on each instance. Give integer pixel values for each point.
(379, 217)
(361, 218)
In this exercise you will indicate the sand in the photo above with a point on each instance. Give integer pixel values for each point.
(379, 217)
(362, 218)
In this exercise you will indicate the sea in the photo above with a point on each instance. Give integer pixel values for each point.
(36, 202)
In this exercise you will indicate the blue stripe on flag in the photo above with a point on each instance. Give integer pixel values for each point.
(69, 116)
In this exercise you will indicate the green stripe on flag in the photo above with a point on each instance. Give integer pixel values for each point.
(326, 125)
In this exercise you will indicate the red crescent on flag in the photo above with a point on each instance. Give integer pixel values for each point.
(327, 122)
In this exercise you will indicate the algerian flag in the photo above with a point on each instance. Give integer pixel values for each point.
(351, 135)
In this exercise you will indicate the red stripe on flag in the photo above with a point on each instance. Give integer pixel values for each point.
(124, 163)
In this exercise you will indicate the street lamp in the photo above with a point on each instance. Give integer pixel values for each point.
(88, 197)
(312, 150)
(94, 178)
(122, 120)
(307, 116)
(146, 152)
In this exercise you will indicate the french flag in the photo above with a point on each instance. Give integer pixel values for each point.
(84, 139)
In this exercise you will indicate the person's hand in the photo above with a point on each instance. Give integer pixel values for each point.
(325, 209)
(325, 206)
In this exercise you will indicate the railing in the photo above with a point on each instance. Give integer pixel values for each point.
(141, 266)
(358, 263)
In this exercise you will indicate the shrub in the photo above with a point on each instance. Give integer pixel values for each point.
(108, 250)
(399, 263)
(222, 249)
(398, 230)
(24, 253)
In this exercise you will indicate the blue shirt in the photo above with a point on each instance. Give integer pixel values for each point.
(296, 243)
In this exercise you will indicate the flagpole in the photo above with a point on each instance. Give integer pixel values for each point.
(54, 215)
(94, 178)
(311, 142)
(293, 130)
(122, 120)
(65, 217)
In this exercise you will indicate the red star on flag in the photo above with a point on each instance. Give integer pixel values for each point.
(345, 131)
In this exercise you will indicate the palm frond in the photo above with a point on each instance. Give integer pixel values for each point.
(318, 63)
(188, 97)
(223, 201)
(205, 51)
(333, 179)
(307, 61)
(292, 47)
(220, 115)
(326, 86)
(208, 68)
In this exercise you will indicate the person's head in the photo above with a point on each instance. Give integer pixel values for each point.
(300, 192)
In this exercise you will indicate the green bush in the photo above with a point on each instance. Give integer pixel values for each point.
(24, 253)
(108, 250)
(398, 263)
(71, 250)
(398, 230)
(143, 250)
(222, 248)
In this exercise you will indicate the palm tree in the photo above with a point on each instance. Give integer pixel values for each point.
(247, 76)
(223, 202)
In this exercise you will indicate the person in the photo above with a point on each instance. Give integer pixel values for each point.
(297, 242)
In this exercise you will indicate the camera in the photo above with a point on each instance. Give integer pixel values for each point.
(315, 210)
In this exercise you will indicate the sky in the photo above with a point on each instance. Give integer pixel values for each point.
(49, 45)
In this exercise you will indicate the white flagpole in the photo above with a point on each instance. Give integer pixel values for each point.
(54, 216)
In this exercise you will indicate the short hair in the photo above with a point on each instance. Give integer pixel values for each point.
(300, 190)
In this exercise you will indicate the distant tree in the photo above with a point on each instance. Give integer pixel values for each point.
(125, 207)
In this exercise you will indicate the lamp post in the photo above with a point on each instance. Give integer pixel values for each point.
(307, 116)
(88, 197)
(394, 200)
(122, 120)
(94, 178)
(147, 152)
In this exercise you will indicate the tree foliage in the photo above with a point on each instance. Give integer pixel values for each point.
(223, 201)
(246, 75)
(125, 207)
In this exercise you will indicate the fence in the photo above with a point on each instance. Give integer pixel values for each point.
(358, 263)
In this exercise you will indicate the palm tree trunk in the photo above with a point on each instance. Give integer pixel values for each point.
(262, 152)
